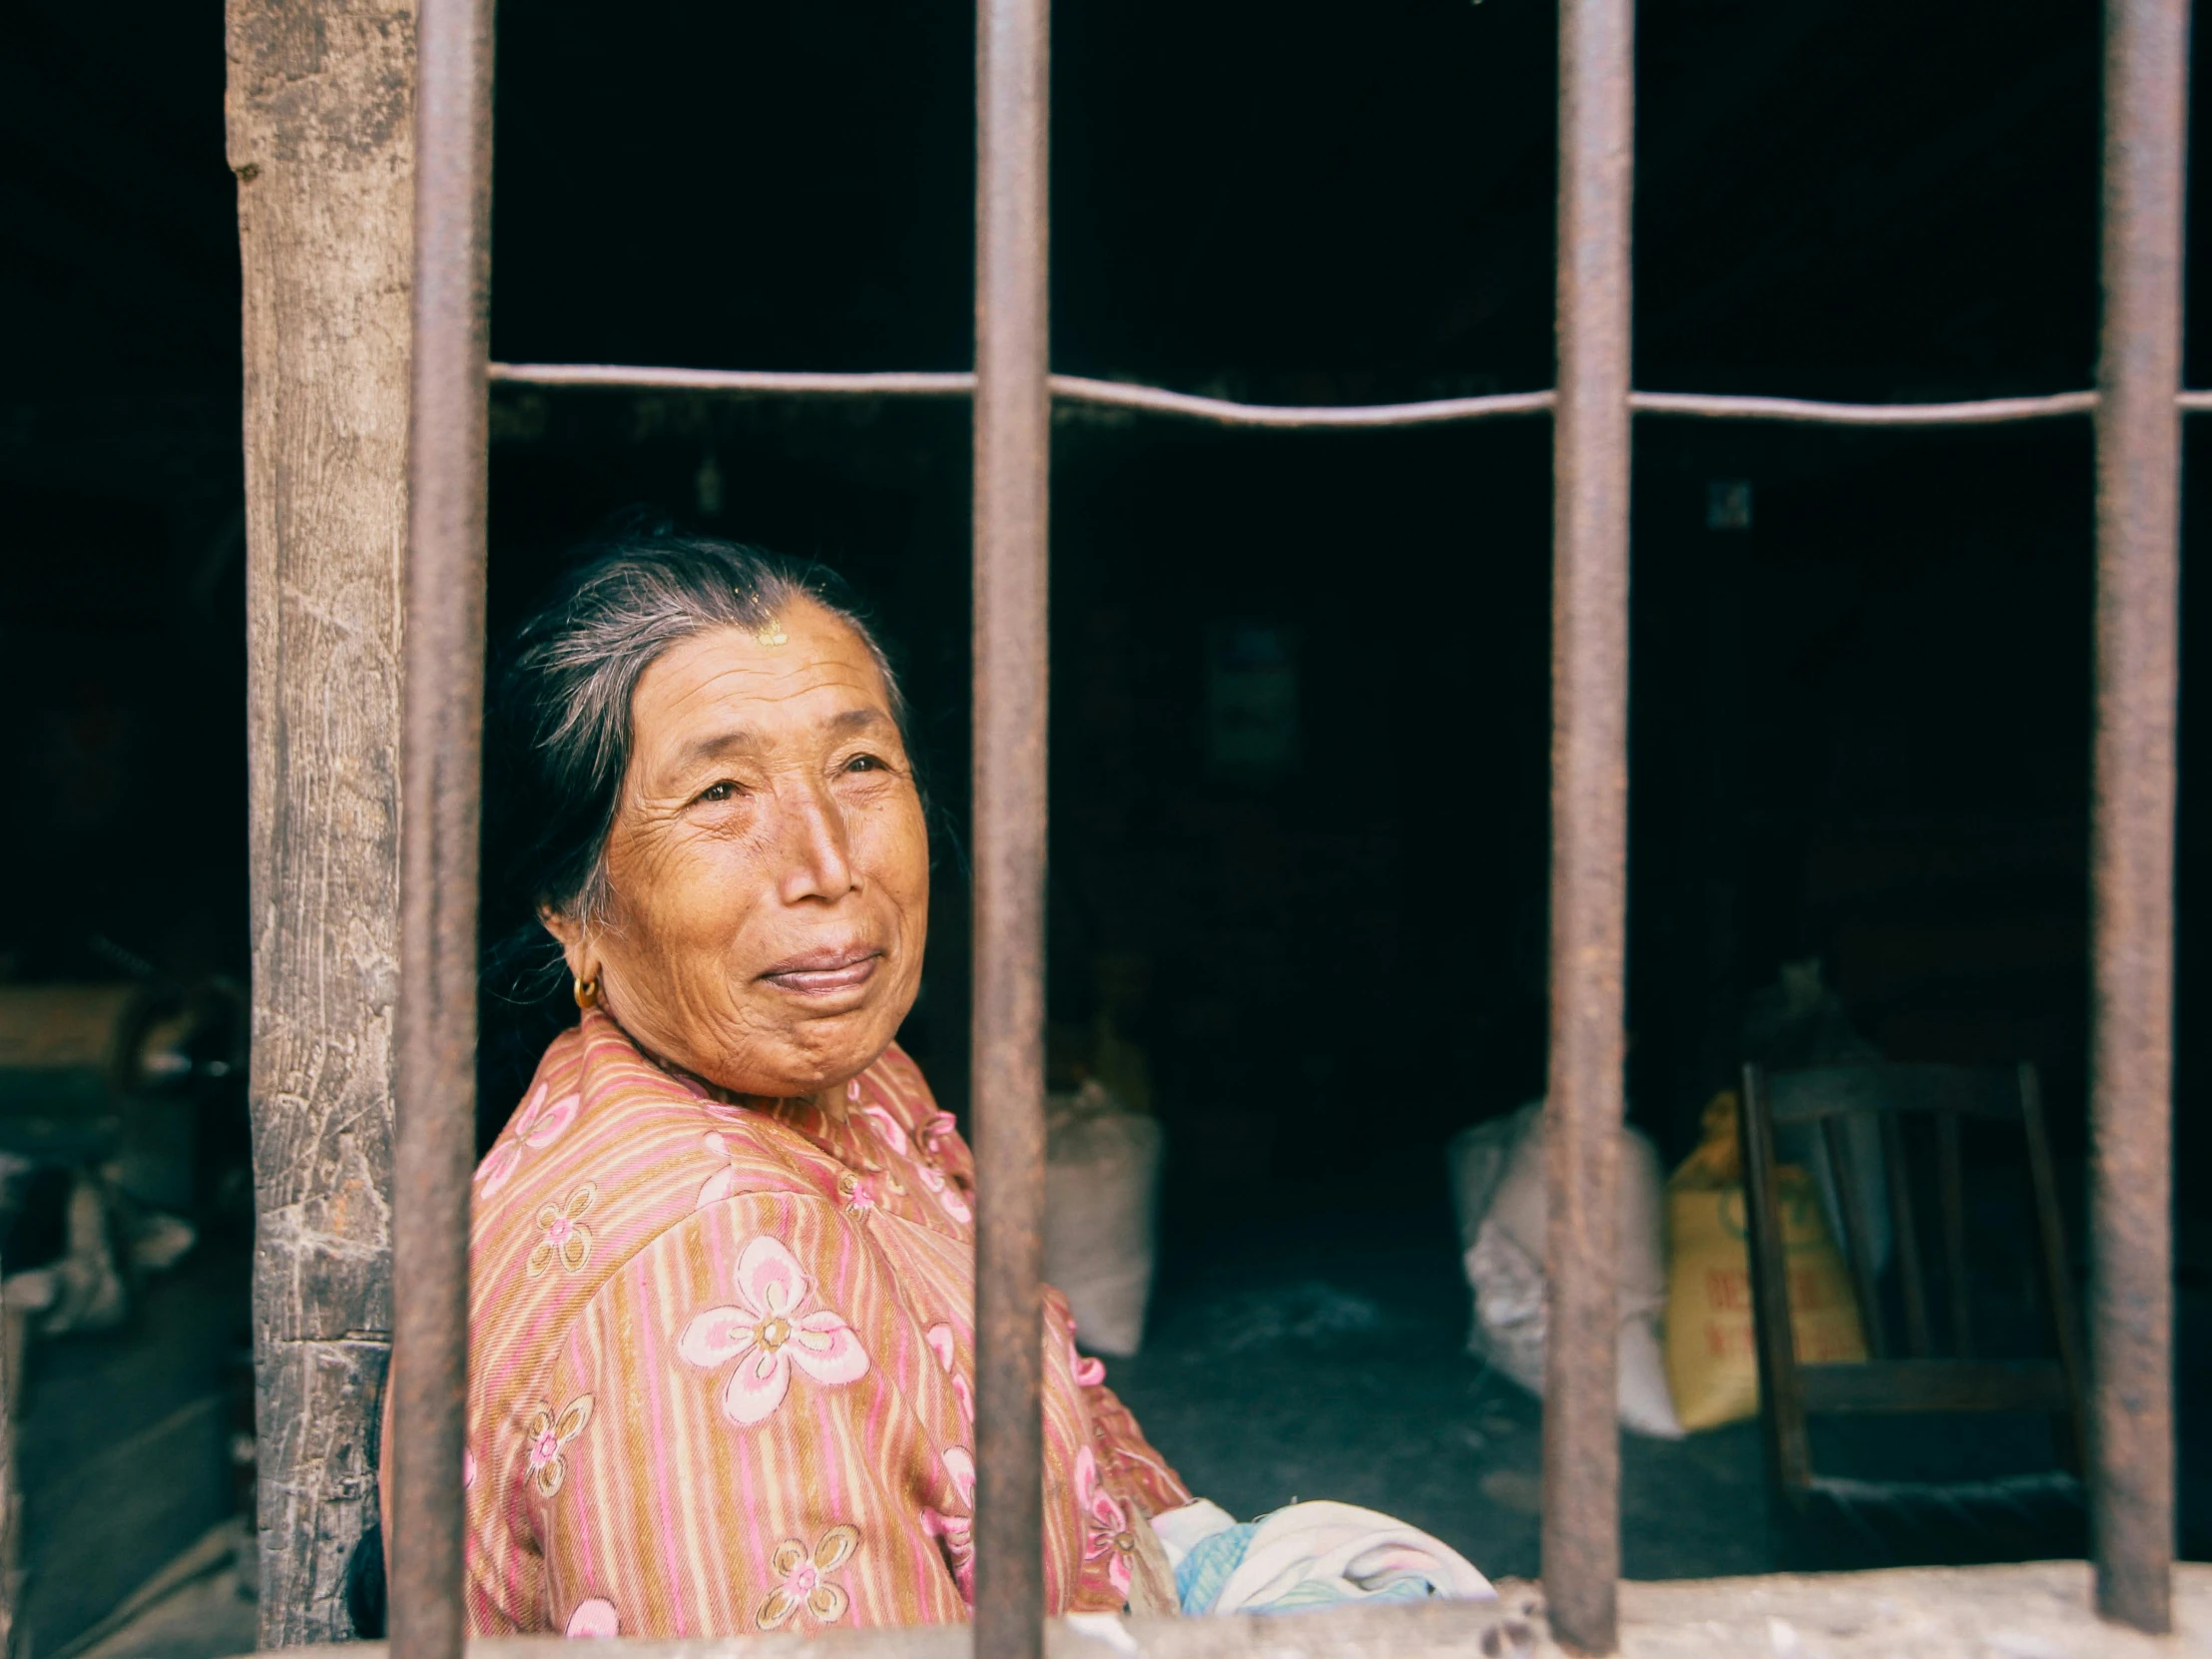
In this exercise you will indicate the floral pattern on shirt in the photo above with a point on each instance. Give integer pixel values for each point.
(1105, 1523)
(547, 1434)
(565, 1239)
(955, 1528)
(802, 1579)
(536, 1126)
(768, 1334)
(594, 1619)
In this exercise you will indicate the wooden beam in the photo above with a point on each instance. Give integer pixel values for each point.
(321, 131)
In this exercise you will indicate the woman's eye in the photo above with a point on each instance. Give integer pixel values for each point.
(864, 762)
(724, 791)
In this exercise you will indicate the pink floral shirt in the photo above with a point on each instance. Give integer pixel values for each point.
(721, 1366)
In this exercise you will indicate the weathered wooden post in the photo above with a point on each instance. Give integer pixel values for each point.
(321, 138)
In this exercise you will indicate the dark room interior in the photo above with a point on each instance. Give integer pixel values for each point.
(1299, 717)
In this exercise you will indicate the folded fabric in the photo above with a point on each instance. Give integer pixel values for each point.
(1305, 1556)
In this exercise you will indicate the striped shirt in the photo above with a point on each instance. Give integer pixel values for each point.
(722, 1362)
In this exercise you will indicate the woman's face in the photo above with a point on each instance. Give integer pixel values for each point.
(769, 864)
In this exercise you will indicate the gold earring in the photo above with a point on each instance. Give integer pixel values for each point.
(587, 992)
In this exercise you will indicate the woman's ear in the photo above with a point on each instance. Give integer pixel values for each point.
(575, 948)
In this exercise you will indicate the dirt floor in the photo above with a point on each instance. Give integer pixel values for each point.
(210, 1617)
(1331, 1362)
(1327, 1358)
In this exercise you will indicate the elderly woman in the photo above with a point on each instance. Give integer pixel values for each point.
(722, 1263)
(721, 1338)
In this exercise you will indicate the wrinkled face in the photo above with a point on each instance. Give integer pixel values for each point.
(769, 864)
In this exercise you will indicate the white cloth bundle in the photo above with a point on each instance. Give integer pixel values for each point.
(1307, 1555)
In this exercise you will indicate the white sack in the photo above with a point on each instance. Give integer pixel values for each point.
(1476, 1160)
(1498, 1191)
(1101, 1186)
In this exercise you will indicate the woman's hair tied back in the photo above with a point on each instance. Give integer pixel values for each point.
(562, 709)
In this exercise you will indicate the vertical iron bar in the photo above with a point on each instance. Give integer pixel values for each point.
(434, 1132)
(1013, 431)
(1589, 820)
(2138, 635)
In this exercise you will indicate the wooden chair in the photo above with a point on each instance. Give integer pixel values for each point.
(1914, 1380)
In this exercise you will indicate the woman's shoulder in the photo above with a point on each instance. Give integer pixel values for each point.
(599, 1113)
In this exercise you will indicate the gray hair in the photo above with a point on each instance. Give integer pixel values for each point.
(565, 698)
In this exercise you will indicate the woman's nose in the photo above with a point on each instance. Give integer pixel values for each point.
(817, 857)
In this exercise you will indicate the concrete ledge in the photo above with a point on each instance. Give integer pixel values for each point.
(2035, 1611)
(2039, 1610)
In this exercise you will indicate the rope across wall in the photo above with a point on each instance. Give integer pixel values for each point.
(1223, 411)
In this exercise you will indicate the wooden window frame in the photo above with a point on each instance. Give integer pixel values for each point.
(2136, 407)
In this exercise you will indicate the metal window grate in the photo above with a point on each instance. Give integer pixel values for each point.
(2136, 407)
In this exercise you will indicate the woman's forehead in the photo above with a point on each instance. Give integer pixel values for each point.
(807, 670)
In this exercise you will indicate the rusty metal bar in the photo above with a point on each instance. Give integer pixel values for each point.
(1590, 821)
(1013, 448)
(2132, 833)
(434, 1134)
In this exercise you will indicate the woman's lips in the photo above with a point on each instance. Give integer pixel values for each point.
(828, 971)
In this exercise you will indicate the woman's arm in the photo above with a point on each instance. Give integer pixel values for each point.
(743, 1433)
